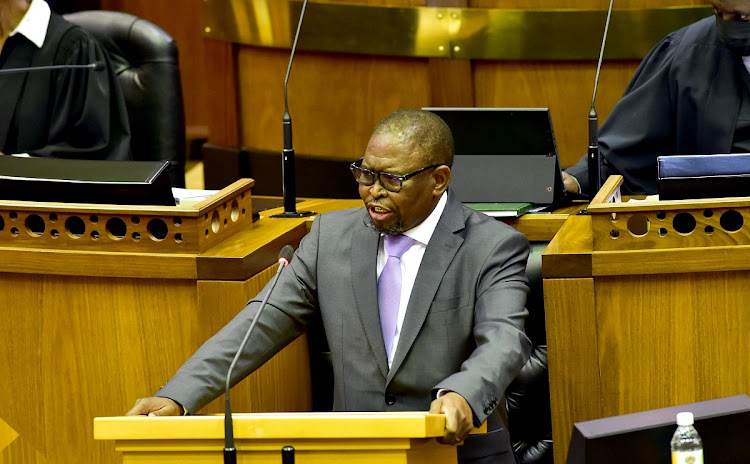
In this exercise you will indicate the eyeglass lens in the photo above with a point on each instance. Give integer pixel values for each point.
(367, 178)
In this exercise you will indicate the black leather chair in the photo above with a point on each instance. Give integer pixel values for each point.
(144, 57)
(527, 397)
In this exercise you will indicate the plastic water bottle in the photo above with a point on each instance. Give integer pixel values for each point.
(687, 446)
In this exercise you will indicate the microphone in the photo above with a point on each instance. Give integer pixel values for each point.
(230, 452)
(593, 160)
(96, 66)
(289, 182)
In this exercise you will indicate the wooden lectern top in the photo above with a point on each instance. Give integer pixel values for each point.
(275, 425)
(374, 437)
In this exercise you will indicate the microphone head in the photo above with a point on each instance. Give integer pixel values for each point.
(286, 255)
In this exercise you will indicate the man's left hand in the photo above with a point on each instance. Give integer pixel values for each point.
(459, 420)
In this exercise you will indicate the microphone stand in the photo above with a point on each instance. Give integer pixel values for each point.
(230, 452)
(289, 182)
(287, 455)
(593, 157)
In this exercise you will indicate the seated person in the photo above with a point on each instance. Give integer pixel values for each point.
(64, 113)
(440, 328)
(690, 95)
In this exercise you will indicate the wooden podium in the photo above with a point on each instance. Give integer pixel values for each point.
(102, 303)
(647, 306)
(378, 438)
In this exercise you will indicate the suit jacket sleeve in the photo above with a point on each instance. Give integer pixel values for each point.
(502, 347)
(288, 312)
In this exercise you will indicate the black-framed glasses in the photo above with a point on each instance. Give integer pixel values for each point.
(390, 182)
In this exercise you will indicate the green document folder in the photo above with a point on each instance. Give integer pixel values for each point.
(501, 209)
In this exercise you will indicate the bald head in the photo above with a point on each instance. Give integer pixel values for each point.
(732, 10)
(422, 129)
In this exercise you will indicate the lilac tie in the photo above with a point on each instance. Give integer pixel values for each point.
(389, 287)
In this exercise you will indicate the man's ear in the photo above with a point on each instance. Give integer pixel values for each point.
(442, 176)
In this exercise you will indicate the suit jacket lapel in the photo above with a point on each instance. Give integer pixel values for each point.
(364, 264)
(443, 246)
(12, 84)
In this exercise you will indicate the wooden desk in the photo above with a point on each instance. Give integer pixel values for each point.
(538, 227)
(91, 324)
(643, 313)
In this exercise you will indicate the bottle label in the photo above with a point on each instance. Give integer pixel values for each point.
(687, 457)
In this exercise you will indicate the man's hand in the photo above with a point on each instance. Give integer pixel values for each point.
(155, 406)
(570, 184)
(459, 420)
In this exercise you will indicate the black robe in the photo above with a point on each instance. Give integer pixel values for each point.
(684, 99)
(68, 113)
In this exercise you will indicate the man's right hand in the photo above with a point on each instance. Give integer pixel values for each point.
(155, 406)
(570, 184)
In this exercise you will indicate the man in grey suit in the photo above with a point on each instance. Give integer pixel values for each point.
(452, 339)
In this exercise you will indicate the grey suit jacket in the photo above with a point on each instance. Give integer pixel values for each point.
(463, 328)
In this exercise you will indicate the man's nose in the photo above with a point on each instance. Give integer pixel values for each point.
(377, 190)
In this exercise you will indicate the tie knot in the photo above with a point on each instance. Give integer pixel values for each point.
(396, 245)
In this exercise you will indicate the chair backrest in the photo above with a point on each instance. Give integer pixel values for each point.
(144, 58)
(527, 397)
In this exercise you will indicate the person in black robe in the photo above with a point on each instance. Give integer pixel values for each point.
(689, 96)
(77, 113)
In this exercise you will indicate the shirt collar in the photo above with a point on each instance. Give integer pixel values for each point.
(34, 23)
(423, 232)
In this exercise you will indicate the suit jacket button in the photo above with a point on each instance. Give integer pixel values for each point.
(390, 400)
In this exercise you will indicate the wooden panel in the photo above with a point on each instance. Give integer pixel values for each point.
(221, 88)
(634, 262)
(331, 93)
(451, 82)
(75, 348)
(334, 100)
(573, 344)
(261, 391)
(19, 451)
(563, 87)
(677, 342)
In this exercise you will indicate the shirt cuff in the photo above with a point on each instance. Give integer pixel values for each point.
(578, 184)
(442, 392)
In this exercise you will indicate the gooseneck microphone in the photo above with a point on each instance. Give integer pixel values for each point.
(97, 66)
(289, 181)
(594, 163)
(230, 452)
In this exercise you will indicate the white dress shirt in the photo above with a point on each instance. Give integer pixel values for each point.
(410, 262)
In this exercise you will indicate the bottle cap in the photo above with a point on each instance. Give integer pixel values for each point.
(684, 418)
